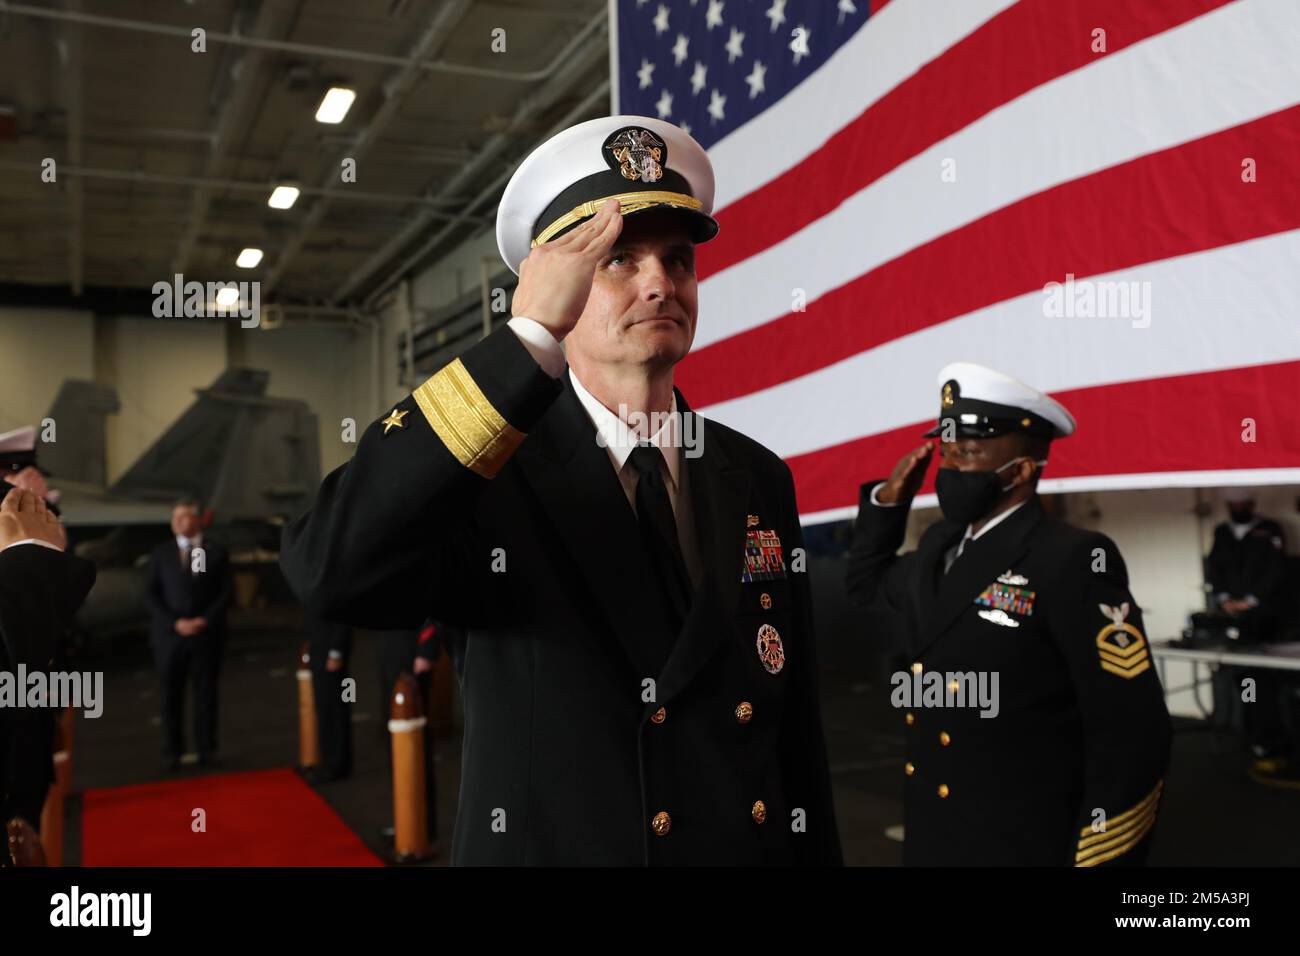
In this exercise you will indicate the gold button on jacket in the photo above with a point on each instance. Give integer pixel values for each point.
(759, 811)
(661, 823)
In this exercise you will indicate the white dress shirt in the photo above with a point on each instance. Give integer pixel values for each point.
(43, 544)
(619, 440)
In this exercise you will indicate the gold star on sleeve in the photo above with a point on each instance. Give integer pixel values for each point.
(394, 420)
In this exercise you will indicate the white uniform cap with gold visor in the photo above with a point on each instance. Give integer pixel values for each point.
(982, 402)
(644, 162)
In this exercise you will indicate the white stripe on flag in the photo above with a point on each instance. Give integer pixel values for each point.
(1221, 70)
(898, 41)
(1253, 477)
(1222, 308)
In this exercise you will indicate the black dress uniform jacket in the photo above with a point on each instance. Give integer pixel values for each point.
(40, 591)
(531, 547)
(1254, 565)
(1070, 770)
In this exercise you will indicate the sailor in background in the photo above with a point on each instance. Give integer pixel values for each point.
(1064, 763)
(1246, 574)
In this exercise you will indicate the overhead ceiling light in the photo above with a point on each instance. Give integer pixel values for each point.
(335, 104)
(249, 258)
(283, 197)
(227, 297)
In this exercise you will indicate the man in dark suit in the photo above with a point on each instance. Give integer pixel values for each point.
(329, 647)
(41, 587)
(189, 588)
(1246, 568)
(1246, 575)
(1036, 727)
(639, 677)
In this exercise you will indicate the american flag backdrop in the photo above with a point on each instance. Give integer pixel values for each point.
(1101, 197)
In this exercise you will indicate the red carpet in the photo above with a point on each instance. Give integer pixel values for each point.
(259, 818)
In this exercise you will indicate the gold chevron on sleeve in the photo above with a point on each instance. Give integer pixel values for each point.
(468, 424)
(1123, 650)
(1123, 831)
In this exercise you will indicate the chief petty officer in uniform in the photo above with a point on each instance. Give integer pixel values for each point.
(1069, 768)
(639, 677)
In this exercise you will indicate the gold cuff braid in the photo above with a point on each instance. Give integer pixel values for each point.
(461, 415)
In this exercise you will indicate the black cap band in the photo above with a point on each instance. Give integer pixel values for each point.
(973, 418)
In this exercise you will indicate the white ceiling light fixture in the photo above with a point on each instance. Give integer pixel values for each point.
(283, 197)
(249, 258)
(227, 297)
(335, 104)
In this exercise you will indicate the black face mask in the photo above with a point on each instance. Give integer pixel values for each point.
(1242, 514)
(967, 496)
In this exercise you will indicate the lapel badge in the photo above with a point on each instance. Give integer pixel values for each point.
(770, 650)
(394, 420)
(1010, 577)
(999, 616)
(751, 521)
(1121, 646)
(637, 154)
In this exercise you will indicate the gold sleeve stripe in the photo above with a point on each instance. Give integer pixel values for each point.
(471, 428)
(1103, 852)
(1133, 811)
(1112, 834)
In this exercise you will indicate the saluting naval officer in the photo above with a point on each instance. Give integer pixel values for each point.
(1058, 755)
(639, 678)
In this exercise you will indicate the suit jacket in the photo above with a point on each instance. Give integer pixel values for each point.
(40, 591)
(174, 592)
(1068, 768)
(1254, 565)
(529, 544)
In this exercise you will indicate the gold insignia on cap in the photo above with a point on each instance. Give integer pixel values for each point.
(638, 152)
(947, 395)
(1025, 422)
(394, 420)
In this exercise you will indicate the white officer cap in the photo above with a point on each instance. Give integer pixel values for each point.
(644, 162)
(19, 440)
(984, 402)
(18, 450)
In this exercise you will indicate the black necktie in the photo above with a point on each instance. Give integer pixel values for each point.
(659, 531)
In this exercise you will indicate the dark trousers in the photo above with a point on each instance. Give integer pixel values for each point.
(333, 716)
(1271, 719)
(397, 656)
(177, 658)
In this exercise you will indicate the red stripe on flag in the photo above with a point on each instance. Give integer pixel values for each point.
(1184, 199)
(1029, 44)
(1150, 426)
